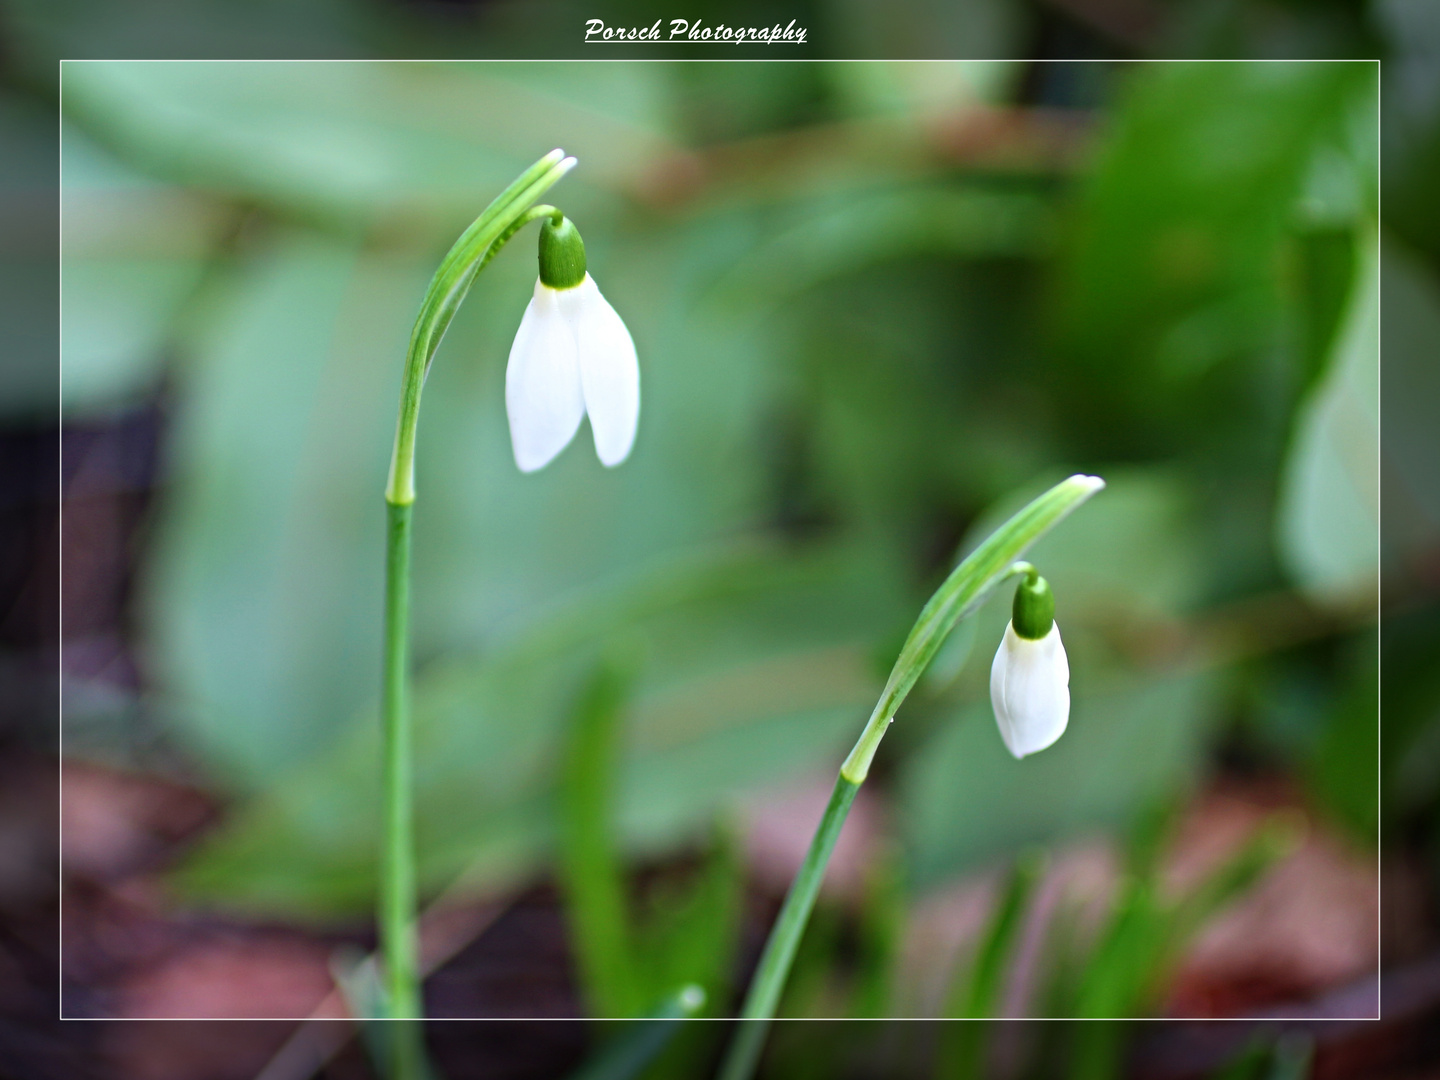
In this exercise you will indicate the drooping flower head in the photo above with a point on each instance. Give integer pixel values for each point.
(572, 356)
(1030, 678)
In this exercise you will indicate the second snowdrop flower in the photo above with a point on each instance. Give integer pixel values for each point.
(572, 357)
(1030, 678)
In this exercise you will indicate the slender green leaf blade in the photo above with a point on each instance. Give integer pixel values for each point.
(591, 870)
(628, 1054)
(978, 996)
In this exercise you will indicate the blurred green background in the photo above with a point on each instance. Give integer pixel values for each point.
(877, 306)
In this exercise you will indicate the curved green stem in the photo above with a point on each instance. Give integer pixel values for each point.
(476, 246)
(535, 213)
(784, 940)
(1019, 568)
(962, 593)
(447, 289)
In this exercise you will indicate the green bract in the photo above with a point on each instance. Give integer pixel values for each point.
(562, 254)
(1034, 610)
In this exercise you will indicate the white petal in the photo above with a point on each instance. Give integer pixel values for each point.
(609, 371)
(542, 383)
(1030, 691)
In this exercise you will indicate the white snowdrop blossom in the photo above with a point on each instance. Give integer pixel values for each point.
(572, 357)
(1030, 678)
(1030, 690)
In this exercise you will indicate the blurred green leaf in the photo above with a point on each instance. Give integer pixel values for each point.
(349, 144)
(975, 991)
(118, 317)
(1173, 266)
(1329, 514)
(751, 676)
(629, 953)
(856, 232)
(1249, 1064)
(909, 89)
(593, 878)
(135, 254)
(881, 931)
(1292, 1056)
(1062, 961)
(263, 588)
(1118, 971)
(976, 994)
(691, 929)
(1411, 440)
(965, 799)
(1344, 767)
(1097, 1049)
(1147, 932)
(1329, 261)
(640, 1042)
(1148, 835)
(1177, 311)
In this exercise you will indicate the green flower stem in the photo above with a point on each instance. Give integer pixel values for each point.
(397, 870)
(779, 954)
(1019, 568)
(962, 593)
(535, 213)
(476, 246)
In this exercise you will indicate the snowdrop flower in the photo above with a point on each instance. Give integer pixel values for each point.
(572, 356)
(1030, 678)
